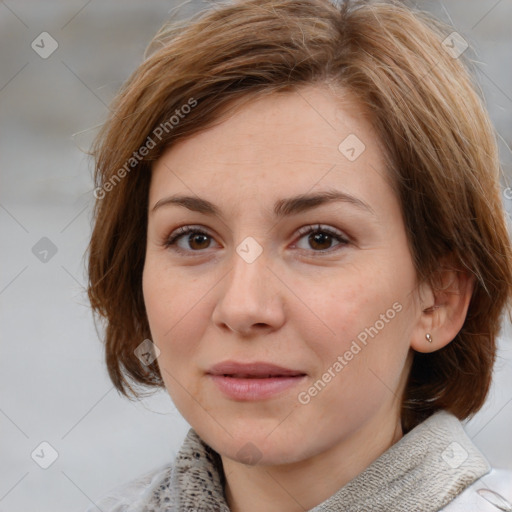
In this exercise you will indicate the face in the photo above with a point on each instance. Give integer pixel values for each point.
(278, 282)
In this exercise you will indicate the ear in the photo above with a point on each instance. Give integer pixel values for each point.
(443, 309)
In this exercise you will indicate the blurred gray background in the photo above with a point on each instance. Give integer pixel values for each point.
(53, 383)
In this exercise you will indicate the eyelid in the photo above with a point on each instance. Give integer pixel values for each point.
(310, 228)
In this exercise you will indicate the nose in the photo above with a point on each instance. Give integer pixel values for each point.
(249, 302)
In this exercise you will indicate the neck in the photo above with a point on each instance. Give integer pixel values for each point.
(304, 484)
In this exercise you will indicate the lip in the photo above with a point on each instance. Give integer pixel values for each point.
(253, 381)
(256, 369)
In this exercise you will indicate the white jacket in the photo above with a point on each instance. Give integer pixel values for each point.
(490, 493)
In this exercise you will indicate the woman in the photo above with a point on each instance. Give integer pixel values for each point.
(299, 234)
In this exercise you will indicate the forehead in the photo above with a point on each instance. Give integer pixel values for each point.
(298, 140)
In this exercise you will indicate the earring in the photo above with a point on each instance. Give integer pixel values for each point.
(429, 337)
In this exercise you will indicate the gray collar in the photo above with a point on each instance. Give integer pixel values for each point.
(423, 471)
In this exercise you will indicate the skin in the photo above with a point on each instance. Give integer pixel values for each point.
(299, 304)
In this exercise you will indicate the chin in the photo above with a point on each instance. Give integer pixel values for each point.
(253, 446)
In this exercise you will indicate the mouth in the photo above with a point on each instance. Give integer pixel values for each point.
(257, 370)
(252, 376)
(253, 381)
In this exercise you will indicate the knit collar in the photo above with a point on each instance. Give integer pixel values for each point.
(424, 470)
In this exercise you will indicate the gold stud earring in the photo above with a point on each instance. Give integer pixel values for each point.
(429, 337)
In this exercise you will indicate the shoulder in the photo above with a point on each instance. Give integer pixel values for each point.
(490, 493)
(135, 495)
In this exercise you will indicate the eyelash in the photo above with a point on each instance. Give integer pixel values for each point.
(172, 240)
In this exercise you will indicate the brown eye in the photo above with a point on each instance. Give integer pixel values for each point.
(321, 238)
(320, 241)
(196, 240)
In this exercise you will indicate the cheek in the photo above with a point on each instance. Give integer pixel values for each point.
(165, 306)
(174, 306)
(342, 309)
(156, 297)
(160, 301)
(360, 317)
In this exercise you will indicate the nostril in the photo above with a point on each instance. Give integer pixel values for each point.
(495, 499)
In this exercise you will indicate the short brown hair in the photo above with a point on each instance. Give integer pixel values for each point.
(438, 139)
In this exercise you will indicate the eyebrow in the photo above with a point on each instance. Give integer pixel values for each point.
(282, 207)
